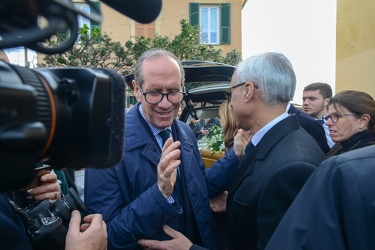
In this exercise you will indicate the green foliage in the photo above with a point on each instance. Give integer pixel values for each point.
(98, 50)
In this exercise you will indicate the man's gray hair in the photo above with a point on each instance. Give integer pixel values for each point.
(274, 75)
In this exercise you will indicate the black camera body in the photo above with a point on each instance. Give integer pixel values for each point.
(63, 117)
(48, 222)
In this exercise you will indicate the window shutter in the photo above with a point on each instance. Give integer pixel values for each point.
(225, 23)
(194, 13)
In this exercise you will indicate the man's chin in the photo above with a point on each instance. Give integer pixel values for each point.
(164, 123)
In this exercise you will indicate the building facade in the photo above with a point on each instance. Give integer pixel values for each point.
(220, 22)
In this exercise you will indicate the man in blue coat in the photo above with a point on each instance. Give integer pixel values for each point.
(151, 187)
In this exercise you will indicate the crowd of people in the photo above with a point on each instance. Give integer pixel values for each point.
(289, 178)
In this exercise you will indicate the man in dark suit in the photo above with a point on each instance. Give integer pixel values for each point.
(277, 162)
(311, 126)
(284, 155)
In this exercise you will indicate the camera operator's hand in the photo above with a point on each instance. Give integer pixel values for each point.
(44, 186)
(92, 235)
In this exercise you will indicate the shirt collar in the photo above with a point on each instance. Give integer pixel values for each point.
(259, 135)
(154, 130)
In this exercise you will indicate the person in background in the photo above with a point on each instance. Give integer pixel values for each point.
(351, 121)
(315, 100)
(198, 128)
(230, 129)
(335, 208)
(214, 121)
(228, 124)
(309, 124)
(154, 184)
(277, 162)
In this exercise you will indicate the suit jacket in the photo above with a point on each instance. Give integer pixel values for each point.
(128, 197)
(312, 127)
(267, 181)
(335, 209)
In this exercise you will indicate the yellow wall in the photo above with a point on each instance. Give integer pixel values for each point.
(116, 25)
(355, 47)
(121, 28)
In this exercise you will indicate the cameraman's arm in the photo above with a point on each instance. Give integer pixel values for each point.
(92, 235)
(49, 187)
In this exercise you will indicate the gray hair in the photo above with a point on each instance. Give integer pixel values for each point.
(154, 53)
(274, 75)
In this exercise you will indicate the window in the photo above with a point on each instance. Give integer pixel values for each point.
(213, 20)
(209, 22)
(83, 20)
(145, 30)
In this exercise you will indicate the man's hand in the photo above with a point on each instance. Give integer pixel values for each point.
(178, 241)
(92, 235)
(205, 131)
(219, 202)
(49, 187)
(241, 140)
(167, 167)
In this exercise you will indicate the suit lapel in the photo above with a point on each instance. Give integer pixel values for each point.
(245, 167)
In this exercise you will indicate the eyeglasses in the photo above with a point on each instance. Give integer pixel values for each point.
(157, 97)
(228, 91)
(334, 117)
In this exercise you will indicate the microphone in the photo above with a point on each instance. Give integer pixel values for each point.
(141, 11)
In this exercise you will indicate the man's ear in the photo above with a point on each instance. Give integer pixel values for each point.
(326, 102)
(137, 92)
(249, 89)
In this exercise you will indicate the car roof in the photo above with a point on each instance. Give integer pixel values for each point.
(207, 72)
(204, 72)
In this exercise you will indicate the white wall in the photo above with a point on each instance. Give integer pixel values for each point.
(305, 31)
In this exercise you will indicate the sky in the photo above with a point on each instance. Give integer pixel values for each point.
(303, 30)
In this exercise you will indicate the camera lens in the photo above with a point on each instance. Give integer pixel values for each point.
(66, 205)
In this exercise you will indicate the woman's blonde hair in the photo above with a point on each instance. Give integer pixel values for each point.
(228, 122)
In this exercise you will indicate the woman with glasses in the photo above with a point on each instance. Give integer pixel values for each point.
(351, 121)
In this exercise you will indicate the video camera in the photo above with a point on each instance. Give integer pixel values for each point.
(47, 223)
(63, 117)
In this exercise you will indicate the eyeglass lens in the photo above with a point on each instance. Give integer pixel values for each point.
(155, 98)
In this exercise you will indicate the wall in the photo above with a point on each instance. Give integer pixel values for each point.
(356, 45)
(121, 28)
